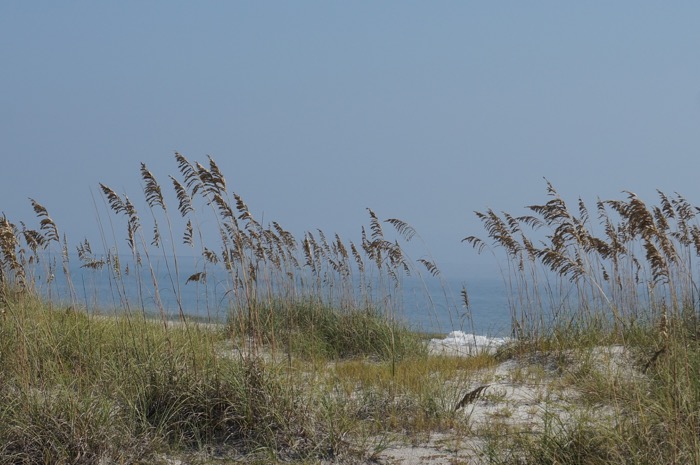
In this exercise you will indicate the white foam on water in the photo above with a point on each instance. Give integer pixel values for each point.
(460, 343)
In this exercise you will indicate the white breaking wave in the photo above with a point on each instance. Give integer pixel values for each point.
(460, 343)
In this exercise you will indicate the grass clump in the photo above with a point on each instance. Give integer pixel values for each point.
(79, 389)
(583, 287)
(313, 329)
(416, 397)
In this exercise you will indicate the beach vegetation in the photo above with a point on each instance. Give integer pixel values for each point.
(314, 361)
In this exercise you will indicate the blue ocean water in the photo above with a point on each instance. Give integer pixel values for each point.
(427, 303)
(488, 312)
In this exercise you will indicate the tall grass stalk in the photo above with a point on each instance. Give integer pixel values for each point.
(634, 263)
(627, 275)
(92, 387)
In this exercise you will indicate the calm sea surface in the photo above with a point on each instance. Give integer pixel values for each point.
(430, 304)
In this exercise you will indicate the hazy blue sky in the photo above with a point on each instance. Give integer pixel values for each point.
(424, 111)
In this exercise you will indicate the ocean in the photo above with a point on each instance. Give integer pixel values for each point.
(427, 303)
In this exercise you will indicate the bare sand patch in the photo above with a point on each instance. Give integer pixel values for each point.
(521, 396)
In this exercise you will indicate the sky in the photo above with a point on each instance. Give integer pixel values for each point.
(315, 110)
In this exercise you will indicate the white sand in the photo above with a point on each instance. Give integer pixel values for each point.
(522, 396)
